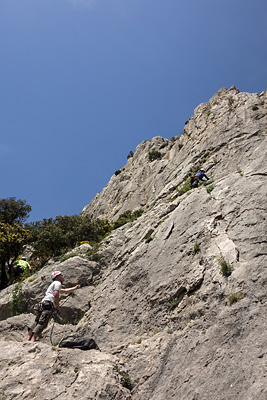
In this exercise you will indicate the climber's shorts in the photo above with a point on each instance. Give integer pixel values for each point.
(42, 318)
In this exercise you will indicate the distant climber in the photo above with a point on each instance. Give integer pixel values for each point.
(21, 266)
(48, 305)
(18, 269)
(198, 177)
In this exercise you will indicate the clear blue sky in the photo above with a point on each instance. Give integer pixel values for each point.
(83, 82)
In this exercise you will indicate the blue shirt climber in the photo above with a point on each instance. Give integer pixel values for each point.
(200, 175)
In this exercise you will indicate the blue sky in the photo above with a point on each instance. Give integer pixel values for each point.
(83, 82)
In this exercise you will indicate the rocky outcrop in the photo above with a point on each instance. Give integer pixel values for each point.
(223, 135)
(170, 324)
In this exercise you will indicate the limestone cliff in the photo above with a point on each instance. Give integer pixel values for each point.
(170, 322)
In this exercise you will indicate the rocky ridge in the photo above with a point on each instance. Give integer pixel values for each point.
(169, 324)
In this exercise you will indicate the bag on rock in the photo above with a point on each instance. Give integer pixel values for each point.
(83, 343)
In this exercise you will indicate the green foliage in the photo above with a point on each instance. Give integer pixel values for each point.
(131, 154)
(67, 256)
(127, 216)
(154, 155)
(13, 211)
(210, 188)
(26, 274)
(169, 331)
(17, 305)
(95, 257)
(12, 234)
(226, 267)
(117, 368)
(12, 239)
(164, 145)
(185, 187)
(58, 371)
(173, 303)
(149, 239)
(126, 382)
(139, 341)
(234, 297)
(206, 183)
(92, 253)
(52, 237)
(254, 108)
(196, 248)
(240, 172)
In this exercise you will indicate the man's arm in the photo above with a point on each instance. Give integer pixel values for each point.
(63, 291)
(69, 290)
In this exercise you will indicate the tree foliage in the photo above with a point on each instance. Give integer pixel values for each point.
(52, 237)
(127, 216)
(13, 211)
(13, 235)
(12, 239)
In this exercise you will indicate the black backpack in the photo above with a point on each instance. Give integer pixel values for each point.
(83, 343)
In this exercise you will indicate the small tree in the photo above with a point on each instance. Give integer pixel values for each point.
(14, 211)
(12, 234)
(130, 155)
(12, 239)
(154, 155)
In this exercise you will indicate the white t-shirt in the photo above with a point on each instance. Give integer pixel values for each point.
(49, 295)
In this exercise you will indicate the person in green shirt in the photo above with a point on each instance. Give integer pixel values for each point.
(21, 266)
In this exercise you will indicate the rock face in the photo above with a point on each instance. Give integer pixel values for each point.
(171, 323)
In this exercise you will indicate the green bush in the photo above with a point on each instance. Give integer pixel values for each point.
(196, 248)
(209, 188)
(126, 382)
(130, 155)
(226, 267)
(173, 303)
(67, 256)
(234, 297)
(52, 237)
(127, 216)
(17, 305)
(95, 257)
(154, 155)
(164, 145)
(207, 183)
(185, 188)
